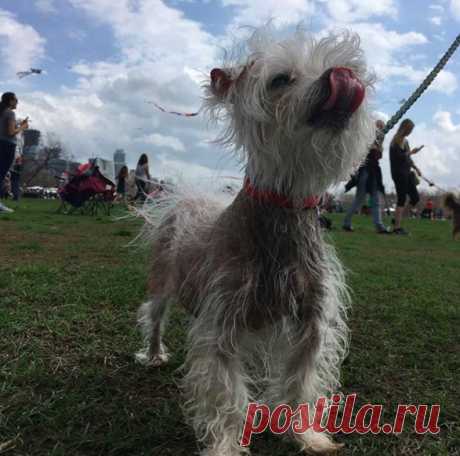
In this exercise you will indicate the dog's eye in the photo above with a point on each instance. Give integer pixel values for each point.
(280, 80)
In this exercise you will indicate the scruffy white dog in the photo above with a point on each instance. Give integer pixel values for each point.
(266, 293)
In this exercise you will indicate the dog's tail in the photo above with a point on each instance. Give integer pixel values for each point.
(452, 202)
(177, 212)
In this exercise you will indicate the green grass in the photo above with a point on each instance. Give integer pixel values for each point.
(69, 291)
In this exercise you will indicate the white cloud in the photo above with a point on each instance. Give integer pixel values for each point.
(181, 170)
(151, 31)
(440, 36)
(417, 57)
(22, 46)
(445, 82)
(358, 10)
(46, 6)
(95, 122)
(436, 20)
(455, 8)
(163, 141)
(437, 8)
(380, 44)
(77, 35)
(443, 119)
(257, 12)
(292, 12)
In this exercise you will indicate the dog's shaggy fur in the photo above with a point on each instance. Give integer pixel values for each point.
(453, 203)
(266, 292)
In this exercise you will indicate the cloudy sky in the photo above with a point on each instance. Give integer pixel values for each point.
(103, 59)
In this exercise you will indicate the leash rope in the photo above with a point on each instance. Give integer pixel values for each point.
(422, 87)
(432, 184)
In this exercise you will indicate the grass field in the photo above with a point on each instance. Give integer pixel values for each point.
(69, 291)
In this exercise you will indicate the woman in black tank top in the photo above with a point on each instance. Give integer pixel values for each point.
(401, 171)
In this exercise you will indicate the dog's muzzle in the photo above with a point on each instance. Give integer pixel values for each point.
(341, 94)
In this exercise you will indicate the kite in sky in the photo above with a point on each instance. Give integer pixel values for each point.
(184, 114)
(23, 74)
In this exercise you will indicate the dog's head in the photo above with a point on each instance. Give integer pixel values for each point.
(296, 109)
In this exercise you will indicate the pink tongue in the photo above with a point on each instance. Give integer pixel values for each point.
(347, 91)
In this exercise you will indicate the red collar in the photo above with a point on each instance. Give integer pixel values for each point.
(310, 202)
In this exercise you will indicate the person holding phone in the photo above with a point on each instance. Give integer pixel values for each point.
(402, 172)
(8, 136)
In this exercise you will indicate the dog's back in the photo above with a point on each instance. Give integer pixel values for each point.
(452, 202)
(178, 235)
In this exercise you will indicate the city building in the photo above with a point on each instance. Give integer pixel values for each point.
(31, 143)
(31, 137)
(119, 159)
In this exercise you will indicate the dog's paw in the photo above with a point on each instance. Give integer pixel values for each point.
(159, 360)
(318, 443)
(142, 357)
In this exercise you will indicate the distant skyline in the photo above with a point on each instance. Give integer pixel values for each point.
(103, 59)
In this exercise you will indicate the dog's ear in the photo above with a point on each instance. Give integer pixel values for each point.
(221, 81)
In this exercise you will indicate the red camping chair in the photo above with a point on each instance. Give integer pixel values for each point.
(88, 190)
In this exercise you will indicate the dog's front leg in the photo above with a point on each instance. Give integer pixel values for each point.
(216, 389)
(151, 320)
(301, 382)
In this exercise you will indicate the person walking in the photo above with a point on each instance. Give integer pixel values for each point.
(8, 136)
(369, 180)
(121, 183)
(142, 177)
(403, 172)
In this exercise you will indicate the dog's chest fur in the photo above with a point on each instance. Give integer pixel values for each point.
(265, 260)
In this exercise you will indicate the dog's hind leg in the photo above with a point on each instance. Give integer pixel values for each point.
(150, 318)
(216, 388)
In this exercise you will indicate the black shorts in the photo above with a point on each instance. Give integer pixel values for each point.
(406, 186)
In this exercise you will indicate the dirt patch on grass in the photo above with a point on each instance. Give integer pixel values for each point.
(74, 243)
